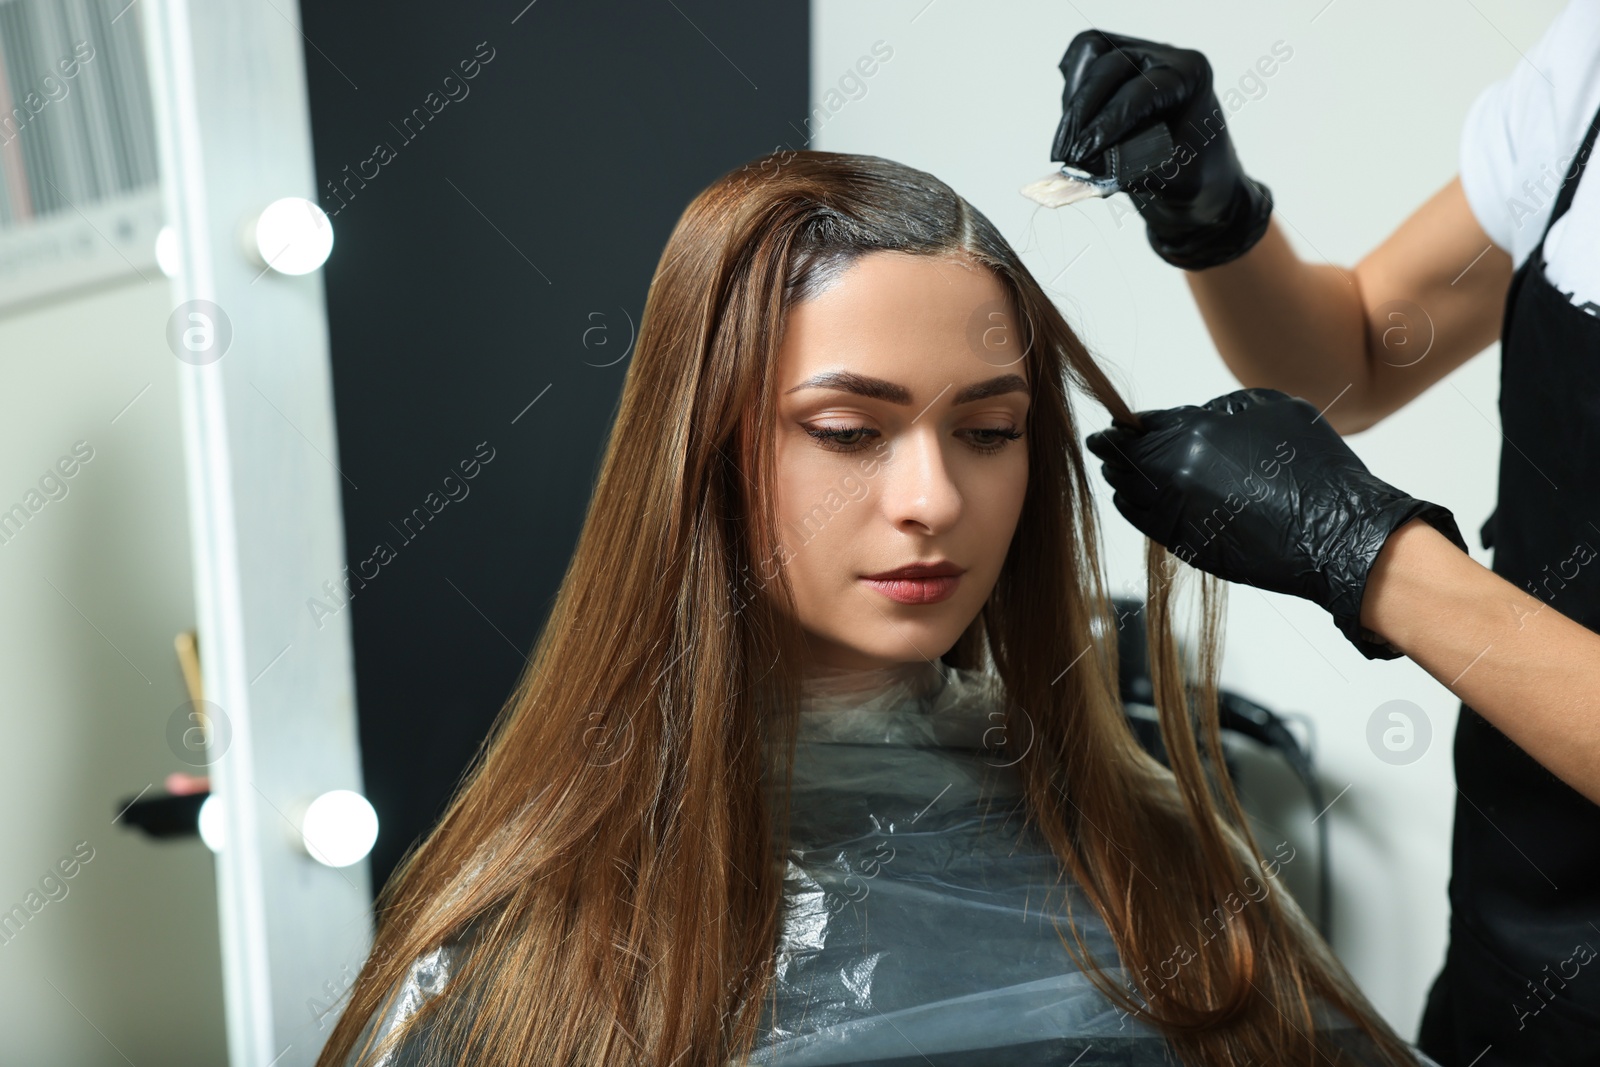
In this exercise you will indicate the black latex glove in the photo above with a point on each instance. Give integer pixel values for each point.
(1199, 209)
(1255, 487)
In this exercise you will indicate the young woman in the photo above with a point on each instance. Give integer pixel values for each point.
(826, 707)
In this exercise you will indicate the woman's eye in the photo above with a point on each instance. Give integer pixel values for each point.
(994, 438)
(840, 439)
(854, 438)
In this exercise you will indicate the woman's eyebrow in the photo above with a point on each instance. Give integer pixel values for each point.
(893, 393)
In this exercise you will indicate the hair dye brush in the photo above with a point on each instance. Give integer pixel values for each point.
(1112, 171)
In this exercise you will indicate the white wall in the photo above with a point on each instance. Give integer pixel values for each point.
(1353, 131)
(126, 965)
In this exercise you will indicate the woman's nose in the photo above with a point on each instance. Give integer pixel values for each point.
(919, 485)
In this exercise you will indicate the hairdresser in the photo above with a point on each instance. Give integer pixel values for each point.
(1509, 248)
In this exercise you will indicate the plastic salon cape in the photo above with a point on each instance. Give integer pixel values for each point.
(916, 925)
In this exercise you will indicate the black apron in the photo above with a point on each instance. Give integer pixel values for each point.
(1521, 978)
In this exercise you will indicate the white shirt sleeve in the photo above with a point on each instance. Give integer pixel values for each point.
(1521, 135)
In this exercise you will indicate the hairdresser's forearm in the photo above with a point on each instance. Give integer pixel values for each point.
(1282, 323)
(1529, 670)
(1361, 343)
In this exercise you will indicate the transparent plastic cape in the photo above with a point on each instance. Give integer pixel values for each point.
(918, 907)
(917, 922)
(426, 978)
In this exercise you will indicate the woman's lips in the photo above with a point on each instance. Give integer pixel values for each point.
(915, 590)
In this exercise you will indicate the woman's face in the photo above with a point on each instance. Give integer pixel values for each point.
(902, 400)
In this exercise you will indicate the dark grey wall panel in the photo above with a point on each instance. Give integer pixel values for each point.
(501, 181)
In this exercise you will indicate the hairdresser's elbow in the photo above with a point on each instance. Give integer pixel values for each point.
(1359, 409)
(1353, 421)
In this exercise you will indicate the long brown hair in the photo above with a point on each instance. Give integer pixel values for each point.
(613, 844)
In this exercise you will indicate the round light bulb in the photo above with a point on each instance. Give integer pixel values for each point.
(293, 236)
(339, 828)
(213, 823)
(167, 251)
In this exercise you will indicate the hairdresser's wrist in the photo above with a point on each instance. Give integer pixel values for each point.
(1197, 239)
(1410, 582)
(1353, 566)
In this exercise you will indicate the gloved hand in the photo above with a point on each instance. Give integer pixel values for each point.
(1200, 209)
(1255, 487)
